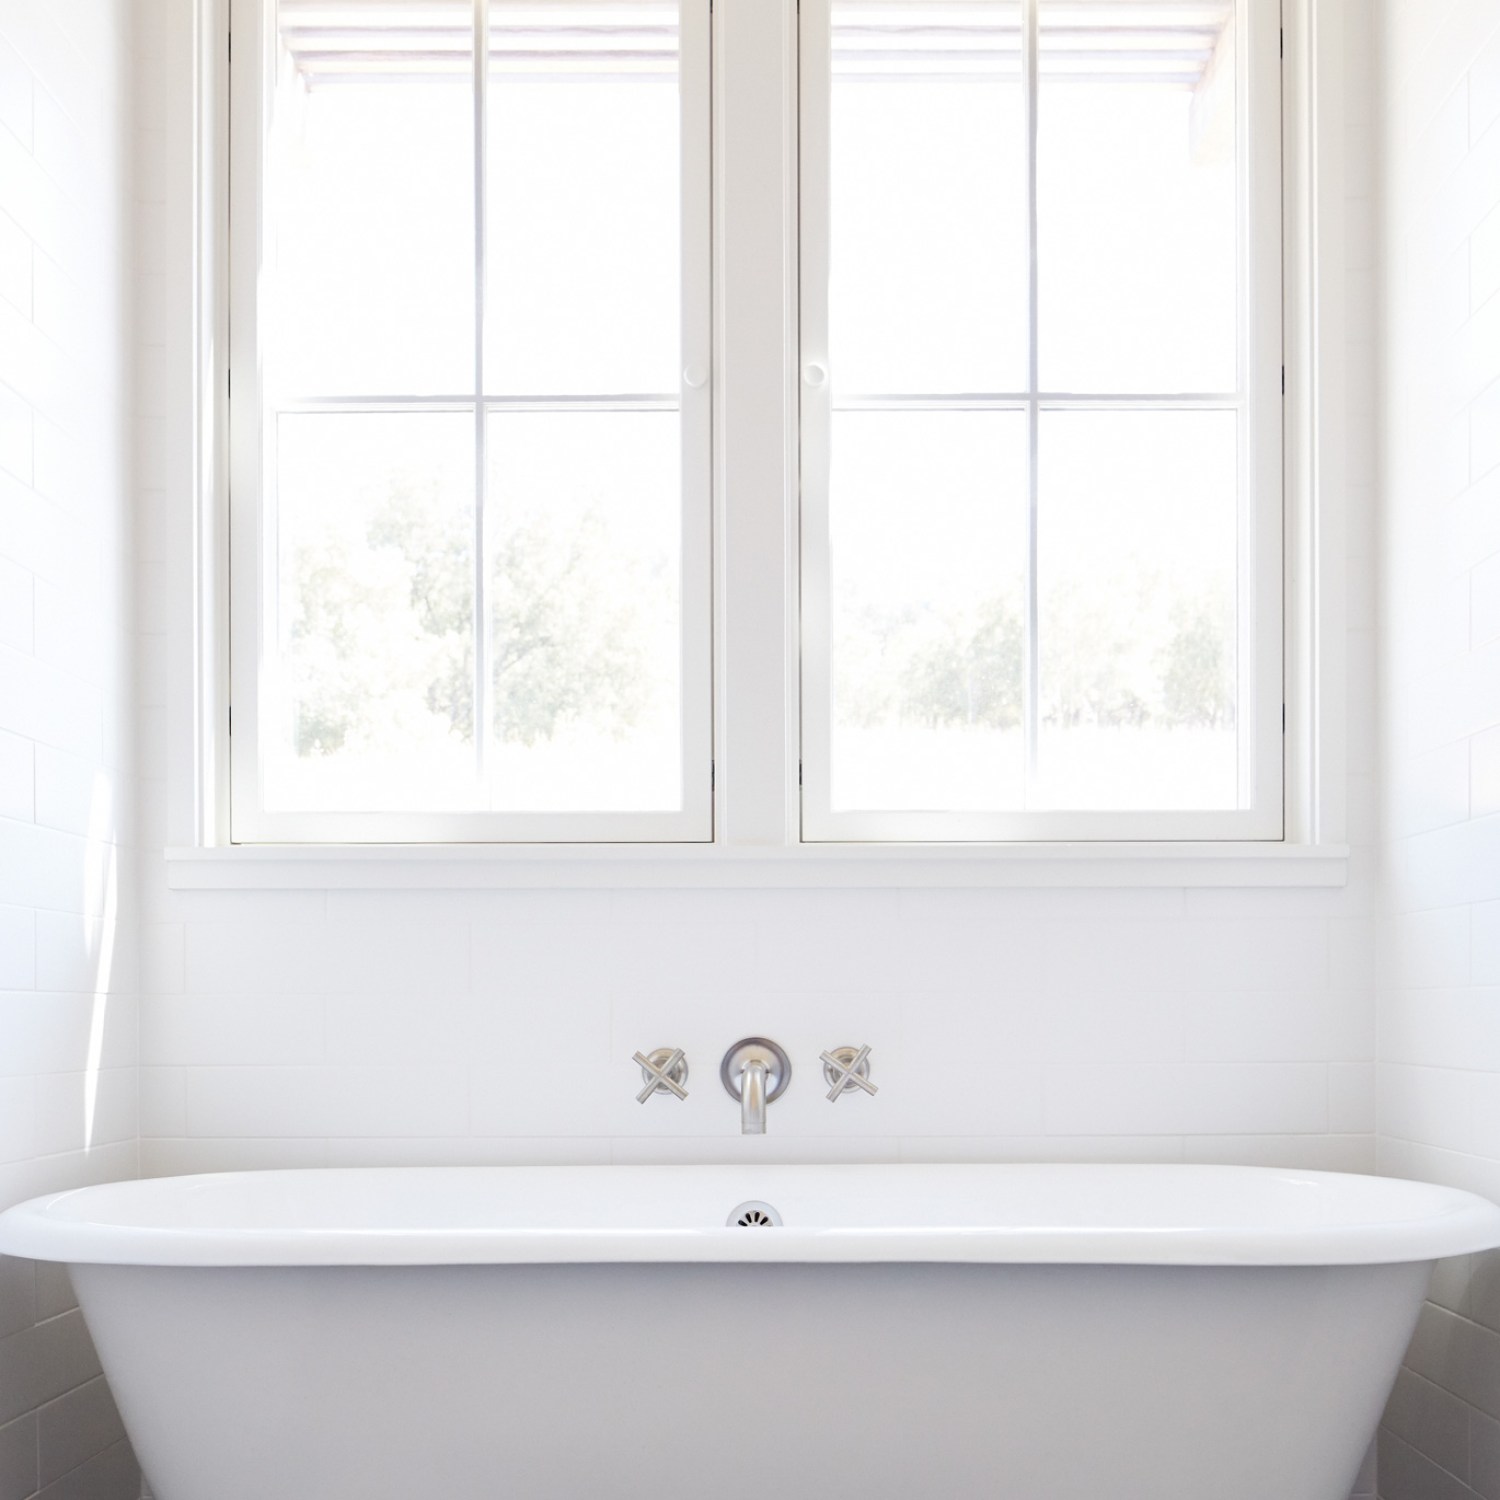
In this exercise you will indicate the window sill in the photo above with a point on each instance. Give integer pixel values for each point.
(596, 866)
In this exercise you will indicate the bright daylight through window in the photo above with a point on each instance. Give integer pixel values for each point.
(1038, 568)
(478, 423)
(1041, 468)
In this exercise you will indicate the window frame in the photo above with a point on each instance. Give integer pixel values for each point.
(1257, 404)
(252, 504)
(756, 834)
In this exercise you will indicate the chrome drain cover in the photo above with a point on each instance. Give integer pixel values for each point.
(753, 1214)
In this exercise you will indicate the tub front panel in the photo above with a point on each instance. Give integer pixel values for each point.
(681, 1382)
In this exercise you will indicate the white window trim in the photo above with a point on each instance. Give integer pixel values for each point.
(756, 729)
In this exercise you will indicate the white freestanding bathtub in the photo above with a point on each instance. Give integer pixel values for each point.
(907, 1333)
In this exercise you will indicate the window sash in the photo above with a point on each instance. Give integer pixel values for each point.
(252, 501)
(1257, 403)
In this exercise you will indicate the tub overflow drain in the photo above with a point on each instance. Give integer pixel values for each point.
(753, 1215)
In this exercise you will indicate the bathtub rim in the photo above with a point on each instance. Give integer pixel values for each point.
(58, 1227)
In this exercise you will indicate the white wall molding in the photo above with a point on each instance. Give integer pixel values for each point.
(1314, 156)
(439, 866)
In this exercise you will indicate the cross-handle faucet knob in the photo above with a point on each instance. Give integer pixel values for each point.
(846, 1069)
(665, 1072)
(755, 1071)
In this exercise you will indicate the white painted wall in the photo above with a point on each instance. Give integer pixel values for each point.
(1439, 1000)
(305, 1027)
(67, 950)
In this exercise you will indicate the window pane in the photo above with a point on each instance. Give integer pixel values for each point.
(928, 251)
(1136, 184)
(370, 200)
(367, 699)
(585, 603)
(1137, 527)
(583, 183)
(928, 547)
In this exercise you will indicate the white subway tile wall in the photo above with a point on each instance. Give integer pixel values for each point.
(993, 1016)
(68, 928)
(1438, 1090)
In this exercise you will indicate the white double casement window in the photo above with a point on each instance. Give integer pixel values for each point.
(488, 351)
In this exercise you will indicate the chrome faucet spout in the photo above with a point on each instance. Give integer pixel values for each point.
(756, 1072)
(753, 1098)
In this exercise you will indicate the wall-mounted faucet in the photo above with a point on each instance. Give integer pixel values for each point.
(755, 1071)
